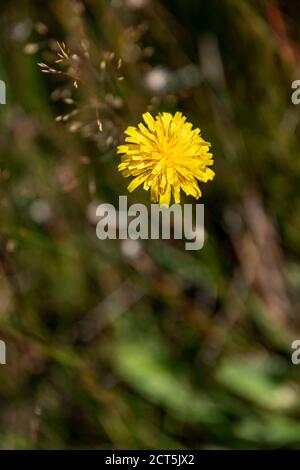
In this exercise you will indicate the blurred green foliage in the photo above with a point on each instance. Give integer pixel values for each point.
(144, 345)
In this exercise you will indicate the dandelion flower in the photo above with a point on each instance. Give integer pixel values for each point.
(168, 155)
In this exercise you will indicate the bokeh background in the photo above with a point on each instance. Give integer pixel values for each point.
(143, 345)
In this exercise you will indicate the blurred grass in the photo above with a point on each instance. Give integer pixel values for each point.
(112, 345)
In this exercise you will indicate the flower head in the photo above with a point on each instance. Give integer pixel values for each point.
(168, 155)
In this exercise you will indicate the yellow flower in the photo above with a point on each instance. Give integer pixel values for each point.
(166, 156)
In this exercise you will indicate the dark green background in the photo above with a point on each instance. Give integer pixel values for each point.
(156, 348)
